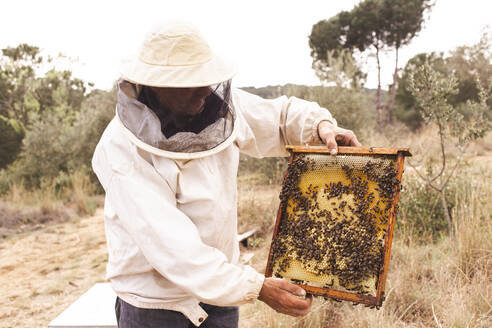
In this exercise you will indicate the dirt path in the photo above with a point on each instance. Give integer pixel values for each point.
(43, 272)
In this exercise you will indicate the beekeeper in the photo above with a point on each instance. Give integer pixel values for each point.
(168, 163)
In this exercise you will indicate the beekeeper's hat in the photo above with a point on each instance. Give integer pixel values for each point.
(174, 54)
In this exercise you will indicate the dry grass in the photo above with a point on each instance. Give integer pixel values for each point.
(19, 219)
(73, 190)
(445, 284)
(25, 209)
(426, 287)
(19, 194)
(257, 205)
(43, 272)
(79, 193)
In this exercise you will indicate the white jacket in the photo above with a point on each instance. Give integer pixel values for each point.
(171, 218)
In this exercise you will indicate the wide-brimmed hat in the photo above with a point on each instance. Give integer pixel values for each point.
(174, 54)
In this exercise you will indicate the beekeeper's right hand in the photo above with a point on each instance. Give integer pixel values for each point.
(285, 297)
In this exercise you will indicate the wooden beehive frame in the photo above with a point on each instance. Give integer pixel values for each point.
(368, 300)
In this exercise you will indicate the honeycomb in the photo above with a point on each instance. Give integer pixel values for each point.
(333, 220)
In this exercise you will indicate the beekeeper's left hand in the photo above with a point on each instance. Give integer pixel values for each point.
(334, 136)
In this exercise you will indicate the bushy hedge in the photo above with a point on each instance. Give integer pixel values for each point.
(52, 146)
(420, 209)
(11, 135)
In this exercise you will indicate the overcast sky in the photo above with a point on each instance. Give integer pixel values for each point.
(267, 39)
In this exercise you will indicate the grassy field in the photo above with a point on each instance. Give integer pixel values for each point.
(46, 264)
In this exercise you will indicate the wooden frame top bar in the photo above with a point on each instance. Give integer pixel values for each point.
(342, 150)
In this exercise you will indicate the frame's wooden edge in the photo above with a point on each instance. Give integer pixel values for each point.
(268, 269)
(389, 234)
(341, 295)
(342, 150)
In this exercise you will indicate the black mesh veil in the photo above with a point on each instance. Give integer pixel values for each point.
(141, 112)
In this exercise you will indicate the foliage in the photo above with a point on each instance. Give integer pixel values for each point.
(353, 109)
(466, 63)
(18, 68)
(469, 63)
(421, 214)
(372, 24)
(25, 95)
(45, 152)
(58, 91)
(96, 113)
(407, 110)
(327, 42)
(53, 145)
(340, 68)
(5, 181)
(432, 91)
(11, 135)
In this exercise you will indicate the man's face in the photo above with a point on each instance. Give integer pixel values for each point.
(184, 102)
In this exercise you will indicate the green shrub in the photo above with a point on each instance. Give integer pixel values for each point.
(52, 146)
(45, 151)
(97, 111)
(11, 135)
(420, 209)
(352, 108)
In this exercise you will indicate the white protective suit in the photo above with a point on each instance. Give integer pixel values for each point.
(171, 218)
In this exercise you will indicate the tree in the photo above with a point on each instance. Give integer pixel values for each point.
(466, 63)
(23, 92)
(58, 91)
(330, 60)
(407, 110)
(26, 96)
(53, 146)
(18, 68)
(341, 69)
(432, 91)
(372, 24)
(404, 20)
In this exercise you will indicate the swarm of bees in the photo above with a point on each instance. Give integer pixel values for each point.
(331, 234)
